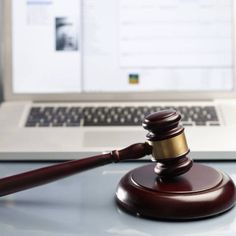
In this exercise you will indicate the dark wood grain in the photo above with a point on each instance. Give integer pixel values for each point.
(48, 174)
(174, 188)
(163, 125)
(169, 168)
(199, 193)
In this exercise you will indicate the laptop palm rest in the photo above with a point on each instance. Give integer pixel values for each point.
(111, 138)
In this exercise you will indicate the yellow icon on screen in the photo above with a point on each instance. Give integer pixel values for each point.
(133, 78)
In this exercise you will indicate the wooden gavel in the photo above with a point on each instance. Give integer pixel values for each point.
(166, 143)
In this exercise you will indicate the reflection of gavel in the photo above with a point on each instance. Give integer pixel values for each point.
(156, 190)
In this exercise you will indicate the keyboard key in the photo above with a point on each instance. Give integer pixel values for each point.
(30, 124)
(214, 124)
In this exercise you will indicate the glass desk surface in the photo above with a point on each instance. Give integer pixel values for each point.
(84, 204)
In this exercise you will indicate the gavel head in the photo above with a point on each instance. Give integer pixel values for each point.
(167, 138)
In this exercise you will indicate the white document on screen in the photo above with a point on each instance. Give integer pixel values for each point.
(46, 46)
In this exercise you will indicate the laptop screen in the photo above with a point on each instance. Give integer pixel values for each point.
(82, 46)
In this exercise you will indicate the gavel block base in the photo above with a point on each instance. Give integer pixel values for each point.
(199, 193)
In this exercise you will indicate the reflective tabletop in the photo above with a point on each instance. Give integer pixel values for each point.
(84, 204)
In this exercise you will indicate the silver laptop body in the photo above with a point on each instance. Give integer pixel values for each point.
(98, 87)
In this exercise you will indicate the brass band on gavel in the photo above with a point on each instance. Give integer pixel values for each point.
(170, 148)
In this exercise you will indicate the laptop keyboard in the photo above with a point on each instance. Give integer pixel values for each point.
(114, 116)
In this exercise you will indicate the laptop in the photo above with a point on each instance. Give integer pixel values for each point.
(80, 76)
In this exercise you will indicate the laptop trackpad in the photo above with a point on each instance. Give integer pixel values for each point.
(112, 138)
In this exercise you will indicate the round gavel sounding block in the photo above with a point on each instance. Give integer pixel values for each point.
(174, 187)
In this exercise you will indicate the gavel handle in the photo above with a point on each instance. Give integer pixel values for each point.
(34, 178)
